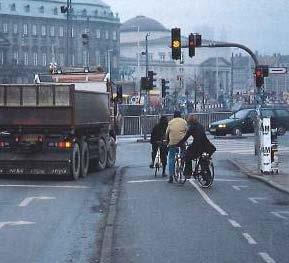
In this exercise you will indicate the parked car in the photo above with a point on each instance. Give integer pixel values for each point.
(242, 121)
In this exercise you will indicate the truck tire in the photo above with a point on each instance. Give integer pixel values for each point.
(84, 165)
(102, 155)
(75, 162)
(111, 152)
(281, 131)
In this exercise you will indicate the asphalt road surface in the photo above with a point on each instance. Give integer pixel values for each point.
(237, 220)
(51, 221)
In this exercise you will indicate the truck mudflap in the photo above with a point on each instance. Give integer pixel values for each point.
(48, 164)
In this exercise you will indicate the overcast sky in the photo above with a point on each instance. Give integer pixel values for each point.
(262, 25)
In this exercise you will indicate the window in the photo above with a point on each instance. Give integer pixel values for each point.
(61, 31)
(84, 12)
(73, 60)
(15, 29)
(1, 57)
(43, 30)
(16, 57)
(13, 7)
(27, 8)
(282, 113)
(26, 60)
(52, 31)
(25, 29)
(61, 59)
(55, 11)
(97, 58)
(72, 32)
(96, 12)
(5, 28)
(162, 57)
(114, 35)
(97, 33)
(106, 34)
(41, 9)
(34, 30)
(35, 59)
(114, 62)
(44, 59)
(266, 112)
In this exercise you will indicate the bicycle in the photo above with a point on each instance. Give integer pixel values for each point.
(158, 163)
(204, 171)
(179, 168)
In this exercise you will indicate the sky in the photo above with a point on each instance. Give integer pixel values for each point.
(261, 25)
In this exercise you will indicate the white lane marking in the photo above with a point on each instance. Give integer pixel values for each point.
(266, 257)
(45, 186)
(238, 187)
(15, 223)
(27, 200)
(234, 223)
(229, 180)
(146, 181)
(254, 199)
(208, 200)
(250, 240)
(278, 214)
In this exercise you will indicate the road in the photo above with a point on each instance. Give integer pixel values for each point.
(48, 220)
(238, 220)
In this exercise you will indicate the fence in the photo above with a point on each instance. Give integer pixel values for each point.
(136, 125)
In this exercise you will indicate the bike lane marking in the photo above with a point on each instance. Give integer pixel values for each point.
(46, 186)
(254, 199)
(208, 200)
(234, 223)
(15, 223)
(28, 200)
(238, 187)
(266, 257)
(146, 181)
(250, 239)
(278, 214)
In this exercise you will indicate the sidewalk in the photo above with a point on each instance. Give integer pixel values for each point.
(248, 165)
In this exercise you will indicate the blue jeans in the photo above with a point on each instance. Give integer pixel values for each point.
(171, 161)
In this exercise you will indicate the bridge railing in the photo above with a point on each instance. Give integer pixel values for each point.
(136, 125)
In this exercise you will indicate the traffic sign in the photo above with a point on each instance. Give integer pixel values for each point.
(276, 70)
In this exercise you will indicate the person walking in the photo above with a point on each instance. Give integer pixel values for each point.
(158, 136)
(176, 130)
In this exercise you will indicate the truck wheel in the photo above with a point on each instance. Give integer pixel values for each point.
(281, 131)
(237, 132)
(75, 162)
(84, 159)
(111, 152)
(102, 155)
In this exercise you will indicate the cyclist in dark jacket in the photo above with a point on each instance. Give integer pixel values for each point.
(199, 145)
(157, 137)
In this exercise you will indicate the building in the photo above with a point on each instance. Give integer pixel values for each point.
(184, 76)
(34, 33)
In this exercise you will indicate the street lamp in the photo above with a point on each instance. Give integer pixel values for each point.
(109, 62)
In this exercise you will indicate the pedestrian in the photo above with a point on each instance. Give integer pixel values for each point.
(176, 130)
(158, 137)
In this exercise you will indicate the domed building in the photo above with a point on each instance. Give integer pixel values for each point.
(133, 34)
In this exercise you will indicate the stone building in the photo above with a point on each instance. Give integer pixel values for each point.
(34, 33)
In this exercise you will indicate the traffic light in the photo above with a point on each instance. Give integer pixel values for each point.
(198, 39)
(176, 43)
(119, 91)
(191, 45)
(63, 9)
(151, 80)
(259, 76)
(164, 87)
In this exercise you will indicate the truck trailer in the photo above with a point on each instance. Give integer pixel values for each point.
(58, 128)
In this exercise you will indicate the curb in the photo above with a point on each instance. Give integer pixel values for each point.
(106, 247)
(252, 174)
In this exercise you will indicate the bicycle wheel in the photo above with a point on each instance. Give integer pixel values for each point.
(157, 168)
(179, 172)
(205, 173)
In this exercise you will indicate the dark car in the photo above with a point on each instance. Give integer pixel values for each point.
(243, 121)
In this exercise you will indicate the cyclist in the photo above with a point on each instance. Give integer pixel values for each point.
(176, 130)
(157, 137)
(199, 145)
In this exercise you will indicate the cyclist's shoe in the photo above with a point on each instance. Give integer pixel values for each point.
(187, 175)
(151, 165)
(164, 174)
(170, 180)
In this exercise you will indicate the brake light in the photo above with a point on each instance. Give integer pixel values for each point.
(61, 144)
(4, 144)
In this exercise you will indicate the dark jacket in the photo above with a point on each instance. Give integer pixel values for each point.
(158, 133)
(200, 143)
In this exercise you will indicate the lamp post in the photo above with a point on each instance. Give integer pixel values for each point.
(109, 62)
(146, 93)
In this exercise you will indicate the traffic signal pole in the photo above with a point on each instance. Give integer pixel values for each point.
(146, 92)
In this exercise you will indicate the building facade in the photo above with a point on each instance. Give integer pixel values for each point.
(34, 33)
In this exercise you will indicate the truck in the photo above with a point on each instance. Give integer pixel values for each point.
(60, 126)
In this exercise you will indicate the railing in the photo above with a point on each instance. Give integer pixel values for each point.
(136, 125)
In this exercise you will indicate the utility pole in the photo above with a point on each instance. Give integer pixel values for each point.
(232, 80)
(68, 30)
(146, 92)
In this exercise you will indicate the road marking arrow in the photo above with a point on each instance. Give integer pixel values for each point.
(254, 199)
(238, 187)
(15, 223)
(27, 200)
(279, 214)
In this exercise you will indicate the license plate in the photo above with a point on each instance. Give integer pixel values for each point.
(30, 138)
(213, 129)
